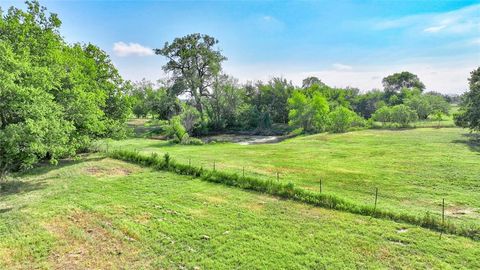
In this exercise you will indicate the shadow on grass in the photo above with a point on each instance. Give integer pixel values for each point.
(16, 185)
(472, 140)
(46, 167)
(4, 210)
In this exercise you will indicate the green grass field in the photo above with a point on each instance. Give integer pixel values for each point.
(102, 214)
(414, 169)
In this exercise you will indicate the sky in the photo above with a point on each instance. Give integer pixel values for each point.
(344, 43)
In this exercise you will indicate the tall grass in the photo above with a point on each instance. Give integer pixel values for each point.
(290, 191)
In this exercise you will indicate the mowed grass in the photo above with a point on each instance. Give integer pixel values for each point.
(105, 214)
(413, 169)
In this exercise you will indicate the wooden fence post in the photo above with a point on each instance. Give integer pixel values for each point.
(443, 218)
(376, 196)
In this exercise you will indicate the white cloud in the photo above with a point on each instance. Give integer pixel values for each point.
(123, 49)
(270, 24)
(461, 21)
(434, 29)
(339, 66)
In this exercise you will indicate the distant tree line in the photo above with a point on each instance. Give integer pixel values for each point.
(199, 96)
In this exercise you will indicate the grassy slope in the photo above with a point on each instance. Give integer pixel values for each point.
(110, 214)
(413, 169)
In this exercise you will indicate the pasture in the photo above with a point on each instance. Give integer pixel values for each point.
(414, 169)
(101, 213)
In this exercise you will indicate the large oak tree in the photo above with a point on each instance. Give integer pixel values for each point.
(193, 62)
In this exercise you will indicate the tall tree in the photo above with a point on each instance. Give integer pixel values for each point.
(469, 115)
(193, 62)
(397, 81)
(310, 81)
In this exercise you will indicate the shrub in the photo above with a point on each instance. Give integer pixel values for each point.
(187, 140)
(341, 119)
(175, 130)
(403, 115)
(383, 115)
(307, 113)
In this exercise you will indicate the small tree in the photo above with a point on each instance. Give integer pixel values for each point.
(383, 115)
(190, 118)
(421, 105)
(174, 129)
(469, 114)
(341, 119)
(403, 115)
(438, 116)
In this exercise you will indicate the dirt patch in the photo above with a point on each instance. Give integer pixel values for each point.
(6, 257)
(87, 241)
(458, 211)
(215, 199)
(99, 171)
(258, 204)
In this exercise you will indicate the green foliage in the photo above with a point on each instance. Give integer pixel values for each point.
(56, 97)
(421, 105)
(309, 114)
(383, 115)
(190, 119)
(272, 99)
(396, 82)
(368, 103)
(193, 63)
(427, 104)
(403, 115)
(335, 96)
(224, 104)
(187, 140)
(310, 81)
(175, 130)
(341, 119)
(469, 113)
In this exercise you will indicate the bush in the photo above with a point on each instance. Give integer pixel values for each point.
(187, 140)
(383, 115)
(341, 119)
(403, 115)
(175, 130)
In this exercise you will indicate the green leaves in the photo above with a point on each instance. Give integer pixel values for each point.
(469, 114)
(54, 97)
(341, 119)
(310, 114)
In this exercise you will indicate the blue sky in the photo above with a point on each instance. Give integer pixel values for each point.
(345, 43)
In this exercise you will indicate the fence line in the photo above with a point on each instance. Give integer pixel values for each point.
(288, 190)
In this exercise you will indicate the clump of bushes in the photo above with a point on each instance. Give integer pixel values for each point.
(400, 115)
(290, 191)
(175, 130)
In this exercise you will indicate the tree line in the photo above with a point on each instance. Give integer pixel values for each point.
(56, 98)
(199, 96)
